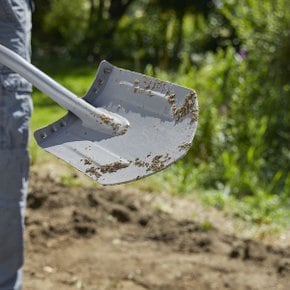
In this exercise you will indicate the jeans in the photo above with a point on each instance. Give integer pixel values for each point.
(15, 112)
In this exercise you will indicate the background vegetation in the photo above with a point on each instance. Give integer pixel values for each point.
(236, 54)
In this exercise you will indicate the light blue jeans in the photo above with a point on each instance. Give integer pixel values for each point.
(15, 112)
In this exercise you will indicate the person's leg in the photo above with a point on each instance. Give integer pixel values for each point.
(15, 111)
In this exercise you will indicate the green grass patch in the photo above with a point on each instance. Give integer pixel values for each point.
(262, 209)
(183, 178)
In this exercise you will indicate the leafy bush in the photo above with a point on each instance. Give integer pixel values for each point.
(242, 142)
(236, 54)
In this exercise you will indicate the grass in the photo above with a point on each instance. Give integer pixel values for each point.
(256, 217)
(267, 212)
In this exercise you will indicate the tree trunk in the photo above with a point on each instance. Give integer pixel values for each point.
(179, 37)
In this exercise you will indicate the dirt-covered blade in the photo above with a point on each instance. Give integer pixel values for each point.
(162, 118)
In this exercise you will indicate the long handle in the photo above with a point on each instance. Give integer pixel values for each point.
(91, 116)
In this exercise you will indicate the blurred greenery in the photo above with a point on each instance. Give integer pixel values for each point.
(236, 54)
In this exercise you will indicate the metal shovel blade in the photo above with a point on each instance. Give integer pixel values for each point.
(162, 118)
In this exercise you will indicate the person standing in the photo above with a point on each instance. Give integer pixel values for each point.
(15, 112)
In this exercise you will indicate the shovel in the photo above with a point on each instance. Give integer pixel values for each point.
(126, 127)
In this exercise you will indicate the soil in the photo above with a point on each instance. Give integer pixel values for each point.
(103, 238)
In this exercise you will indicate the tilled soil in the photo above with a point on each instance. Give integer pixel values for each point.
(102, 238)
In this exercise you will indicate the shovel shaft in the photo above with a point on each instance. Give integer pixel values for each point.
(92, 117)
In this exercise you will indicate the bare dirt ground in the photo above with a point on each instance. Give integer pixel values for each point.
(117, 238)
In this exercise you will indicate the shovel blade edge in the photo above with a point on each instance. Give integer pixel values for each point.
(163, 120)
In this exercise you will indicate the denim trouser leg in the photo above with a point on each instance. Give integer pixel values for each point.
(15, 112)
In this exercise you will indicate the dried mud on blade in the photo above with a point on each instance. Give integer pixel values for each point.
(162, 117)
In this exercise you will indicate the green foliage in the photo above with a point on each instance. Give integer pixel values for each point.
(144, 42)
(206, 226)
(69, 19)
(236, 54)
(241, 150)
